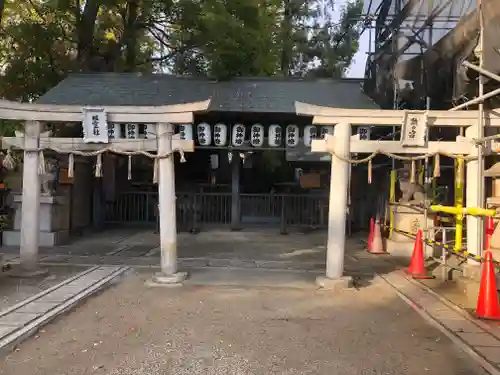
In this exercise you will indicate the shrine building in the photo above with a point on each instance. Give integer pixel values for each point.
(252, 163)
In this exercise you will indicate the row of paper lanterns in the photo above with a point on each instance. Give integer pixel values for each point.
(218, 134)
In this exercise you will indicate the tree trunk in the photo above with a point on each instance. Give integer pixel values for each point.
(85, 32)
(130, 36)
(2, 6)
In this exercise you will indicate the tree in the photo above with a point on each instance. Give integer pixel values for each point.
(313, 43)
(41, 41)
(334, 44)
(223, 39)
(44, 40)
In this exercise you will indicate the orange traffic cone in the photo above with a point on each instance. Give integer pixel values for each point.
(377, 246)
(370, 234)
(488, 306)
(417, 267)
(490, 228)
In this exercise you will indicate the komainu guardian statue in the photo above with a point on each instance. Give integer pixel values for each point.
(49, 178)
(412, 192)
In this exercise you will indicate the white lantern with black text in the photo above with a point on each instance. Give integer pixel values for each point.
(149, 131)
(238, 135)
(275, 135)
(364, 133)
(186, 132)
(310, 133)
(327, 130)
(292, 135)
(132, 131)
(114, 131)
(220, 135)
(257, 135)
(204, 134)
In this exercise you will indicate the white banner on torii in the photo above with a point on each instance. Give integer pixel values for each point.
(95, 125)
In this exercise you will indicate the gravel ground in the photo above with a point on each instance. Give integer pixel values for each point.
(14, 289)
(237, 331)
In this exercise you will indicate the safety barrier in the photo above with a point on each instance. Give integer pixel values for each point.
(450, 248)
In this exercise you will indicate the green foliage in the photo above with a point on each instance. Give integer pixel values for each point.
(41, 41)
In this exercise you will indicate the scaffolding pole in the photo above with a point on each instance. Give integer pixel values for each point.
(480, 169)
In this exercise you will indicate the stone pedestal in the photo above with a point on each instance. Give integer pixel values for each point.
(54, 222)
(409, 219)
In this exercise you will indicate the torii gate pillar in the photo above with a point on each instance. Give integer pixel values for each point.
(169, 274)
(30, 214)
(339, 182)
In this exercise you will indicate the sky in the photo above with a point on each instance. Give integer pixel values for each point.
(357, 68)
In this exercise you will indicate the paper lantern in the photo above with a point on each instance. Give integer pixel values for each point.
(275, 135)
(364, 133)
(132, 131)
(257, 135)
(204, 134)
(327, 130)
(310, 133)
(186, 132)
(238, 135)
(292, 135)
(150, 131)
(220, 135)
(114, 131)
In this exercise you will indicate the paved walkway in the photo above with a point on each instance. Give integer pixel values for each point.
(246, 249)
(20, 320)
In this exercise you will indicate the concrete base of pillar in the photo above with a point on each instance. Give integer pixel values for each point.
(161, 280)
(19, 271)
(341, 283)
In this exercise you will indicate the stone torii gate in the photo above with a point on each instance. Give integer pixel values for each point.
(33, 142)
(343, 143)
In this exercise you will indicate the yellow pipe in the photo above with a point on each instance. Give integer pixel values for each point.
(473, 211)
(459, 211)
(478, 211)
(459, 202)
(392, 199)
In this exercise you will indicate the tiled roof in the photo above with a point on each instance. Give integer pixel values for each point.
(259, 95)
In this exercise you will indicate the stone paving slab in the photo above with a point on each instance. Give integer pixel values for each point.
(5, 330)
(23, 319)
(473, 333)
(17, 319)
(37, 307)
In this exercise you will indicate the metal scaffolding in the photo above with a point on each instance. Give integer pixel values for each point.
(414, 48)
